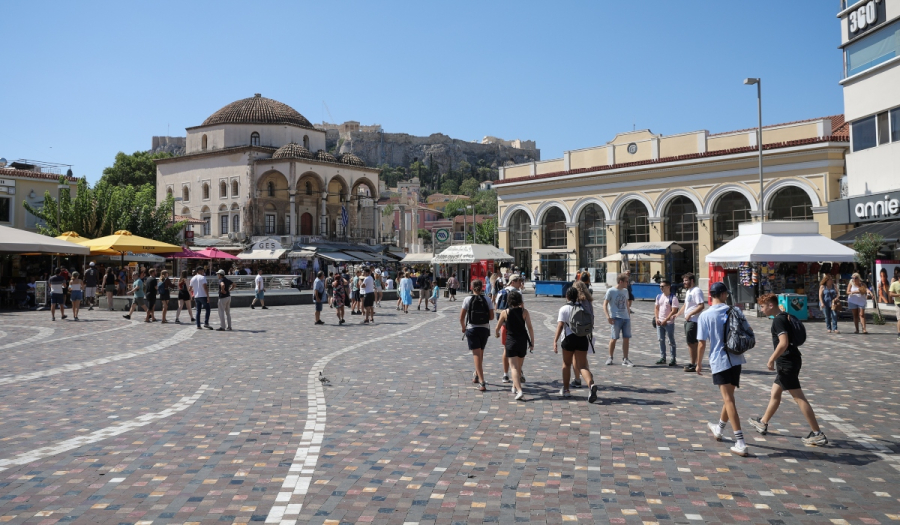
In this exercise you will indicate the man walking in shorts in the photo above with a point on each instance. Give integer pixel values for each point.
(138, 291)
(725, 367)
(57, 285)
(259, 289)
(367, 287)
(615, 306)
(90, 285)
(693, 305)
(786, 361)
(224, 305)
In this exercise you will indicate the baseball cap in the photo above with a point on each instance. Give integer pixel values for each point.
(221, 272)
(515, 277)
(717, 289)
(92, 263)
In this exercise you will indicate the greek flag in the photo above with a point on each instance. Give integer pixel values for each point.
(345, 219)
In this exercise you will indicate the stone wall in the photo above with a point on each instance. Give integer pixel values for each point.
(174, 145)
(401, 149)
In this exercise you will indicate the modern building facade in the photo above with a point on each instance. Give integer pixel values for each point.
(693, 188)
(870, 42)
(257, 168)
(18, 186)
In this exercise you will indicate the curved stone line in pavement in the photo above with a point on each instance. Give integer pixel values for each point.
(99, 435)
(179, 337)
(296, 484)
(43, 333)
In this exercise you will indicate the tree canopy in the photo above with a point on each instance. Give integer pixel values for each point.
(136, 169)
(105, 208)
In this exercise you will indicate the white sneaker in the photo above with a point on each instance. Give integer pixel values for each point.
(716, 431)
(564, 393)
(512, 389)
(520, 396)
(627, 362)
(505, 378)
(740, 451)
(609, 360)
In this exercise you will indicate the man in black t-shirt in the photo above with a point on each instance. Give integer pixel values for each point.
(150, 285)
(424, 284)
(786, 360)
(224, 305)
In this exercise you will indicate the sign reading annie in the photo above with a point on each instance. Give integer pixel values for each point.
(874, 208)
(865, 17)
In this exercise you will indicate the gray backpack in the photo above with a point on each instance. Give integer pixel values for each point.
(580, 322)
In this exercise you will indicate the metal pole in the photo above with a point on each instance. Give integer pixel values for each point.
(759, 143)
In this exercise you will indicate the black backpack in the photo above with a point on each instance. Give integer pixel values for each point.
(479, 312)
(739, 335)
(798, 332)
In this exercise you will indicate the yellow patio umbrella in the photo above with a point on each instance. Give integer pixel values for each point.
(123, 241)
(72, 237)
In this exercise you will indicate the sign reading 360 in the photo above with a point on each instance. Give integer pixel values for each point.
(866, 16)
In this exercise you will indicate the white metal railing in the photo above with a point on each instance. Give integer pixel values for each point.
(248, 282)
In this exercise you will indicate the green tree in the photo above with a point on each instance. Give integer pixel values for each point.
(486, 202)
(136, 169)
(867, 246)
(456, 207)
(105, 209)
(469, 187)
(449, 187)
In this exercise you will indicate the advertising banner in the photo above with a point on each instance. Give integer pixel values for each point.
(885, 273)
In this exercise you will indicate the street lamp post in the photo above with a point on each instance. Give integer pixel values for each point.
(759, 144)
(469, 207)
(59, 229)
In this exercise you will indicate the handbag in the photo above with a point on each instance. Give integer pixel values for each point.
(836, 305)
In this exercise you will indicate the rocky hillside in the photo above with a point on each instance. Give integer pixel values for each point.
(401, 149)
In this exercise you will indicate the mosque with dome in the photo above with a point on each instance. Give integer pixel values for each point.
(257, 167)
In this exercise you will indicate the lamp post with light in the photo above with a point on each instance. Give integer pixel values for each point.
(758, 83)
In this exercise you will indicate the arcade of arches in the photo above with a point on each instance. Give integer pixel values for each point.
(560, 247)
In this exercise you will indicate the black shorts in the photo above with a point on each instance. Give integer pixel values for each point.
(787, 372)
(151, 302)
(630, 296)
(732, 376)
(516, 348)
(574, 343)
(452, 292)
(690, 330)
(477, 337)
(183, 295)
(368, 300)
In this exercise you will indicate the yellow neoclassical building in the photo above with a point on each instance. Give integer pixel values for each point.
(693, 188)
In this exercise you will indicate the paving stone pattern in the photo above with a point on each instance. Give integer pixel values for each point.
(112, 421)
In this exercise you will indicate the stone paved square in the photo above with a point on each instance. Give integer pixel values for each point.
(111, 421)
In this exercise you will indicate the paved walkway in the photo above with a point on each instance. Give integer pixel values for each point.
(111, 421)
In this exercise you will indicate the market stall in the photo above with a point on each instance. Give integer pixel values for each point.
(471, 261)
(786, 258)
(554, 264)
(643, 253)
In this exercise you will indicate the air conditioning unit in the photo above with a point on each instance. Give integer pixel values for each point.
(285, 240)
(232, 237)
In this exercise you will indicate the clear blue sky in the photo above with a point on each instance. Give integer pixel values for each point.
(83, 81)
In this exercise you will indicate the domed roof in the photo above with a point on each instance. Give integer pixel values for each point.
(325, 156)
(292, 151)
(257, 110)
(353, 160)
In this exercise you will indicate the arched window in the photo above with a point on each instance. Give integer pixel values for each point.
(270, 189)
(730, 210)
(185, 194)
(205, 191)
(223, 224)
(169, 192)
(554, 229)
(635, 225)
(234, 189)
(592, 229)
(791, 204)
(520, 239)
(254, 139)
(306, 141)
(235, 223)
(203, 142)
(308, 188)
(681, 227)
(223, 190)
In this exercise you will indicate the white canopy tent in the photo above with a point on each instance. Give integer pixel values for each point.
(13, 240)
(639, 257)
(417, 258)
(781, 241)
(470, 253)
(262, 255)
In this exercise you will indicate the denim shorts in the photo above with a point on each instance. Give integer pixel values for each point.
(318, 306)
(76, 295)
(620, 327)
(261, 295)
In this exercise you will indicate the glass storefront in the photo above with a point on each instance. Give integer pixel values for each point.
(791, 204)
(731, 210)
(592, 237)
(681, 227)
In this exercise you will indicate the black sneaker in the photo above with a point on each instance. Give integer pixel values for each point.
(265, 307)
(760, 427)
(252, 307)
(593, 396)
(127, 316)
(576, 383)
(690, 368)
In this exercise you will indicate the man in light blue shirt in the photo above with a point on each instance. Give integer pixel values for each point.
(725, 366)
(615, 306)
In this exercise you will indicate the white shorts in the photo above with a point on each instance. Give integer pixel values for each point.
(90, 291)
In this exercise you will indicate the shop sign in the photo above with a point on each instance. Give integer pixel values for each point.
(442, 235)
(266, 245)
(8, 182)
(875, 207)
(865, 17)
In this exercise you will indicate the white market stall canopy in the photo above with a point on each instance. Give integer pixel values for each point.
(13, 240)
(417, 258)
(781, 241)
(650, 247)
(262, 255)
(470, 253)
(634, 257)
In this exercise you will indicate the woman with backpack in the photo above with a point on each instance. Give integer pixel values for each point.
(573, 319)
(586, 298)
(519, 338)
(475, 320)
(164, 287)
